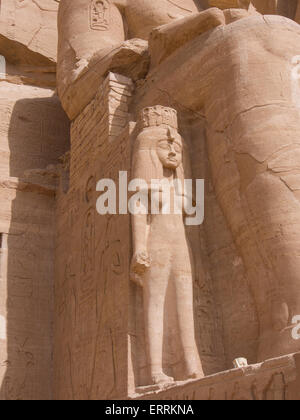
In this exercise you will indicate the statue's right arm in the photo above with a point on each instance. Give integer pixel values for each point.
(139, 232)
(85, 41)
(140, 260)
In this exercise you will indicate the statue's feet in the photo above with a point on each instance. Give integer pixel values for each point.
(194, 368)
(196, 375)
(160, 378)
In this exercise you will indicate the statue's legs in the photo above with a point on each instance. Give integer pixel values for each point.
(183, 281)
(242, 78)
(155, 289)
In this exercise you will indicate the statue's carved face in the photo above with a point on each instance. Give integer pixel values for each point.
(169, 149)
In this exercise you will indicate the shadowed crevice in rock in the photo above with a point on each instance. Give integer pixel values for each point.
(27, 291)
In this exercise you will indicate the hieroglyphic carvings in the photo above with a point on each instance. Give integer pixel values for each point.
(109, 354)
(88, 251)
(22, 360)
(88, 243)
(276, 390)
(99, 14)
(113, 270)
(90, 189)
(73, 206)
(100, 246)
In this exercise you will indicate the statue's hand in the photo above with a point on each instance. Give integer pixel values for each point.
(139, 265)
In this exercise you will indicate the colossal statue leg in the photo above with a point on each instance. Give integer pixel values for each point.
(243, 80)
(253, 141)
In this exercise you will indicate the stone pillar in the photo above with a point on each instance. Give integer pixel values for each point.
(93, 254)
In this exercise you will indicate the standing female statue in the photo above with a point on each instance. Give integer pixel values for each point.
(162, 257)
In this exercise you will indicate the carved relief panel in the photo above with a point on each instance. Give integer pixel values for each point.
(99, 15)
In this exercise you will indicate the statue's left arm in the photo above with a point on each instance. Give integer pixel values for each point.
(89, 32)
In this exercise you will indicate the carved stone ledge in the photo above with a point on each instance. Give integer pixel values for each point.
(275, 379)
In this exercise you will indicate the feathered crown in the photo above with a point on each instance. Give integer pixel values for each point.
(158, 115)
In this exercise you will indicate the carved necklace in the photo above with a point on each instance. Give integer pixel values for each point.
(176, 3)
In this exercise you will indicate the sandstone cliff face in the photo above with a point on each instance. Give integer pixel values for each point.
(31, 24)
(29, 140)
(34, 132)
(28, 40)
(282, 7)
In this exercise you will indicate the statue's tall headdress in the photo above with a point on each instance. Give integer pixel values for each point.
(158, 115)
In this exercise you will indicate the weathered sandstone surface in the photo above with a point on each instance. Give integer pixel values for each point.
(33, 135)
(146, 306)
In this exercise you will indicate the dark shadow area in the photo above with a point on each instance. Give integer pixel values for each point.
(38, 135)
(287, 8)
